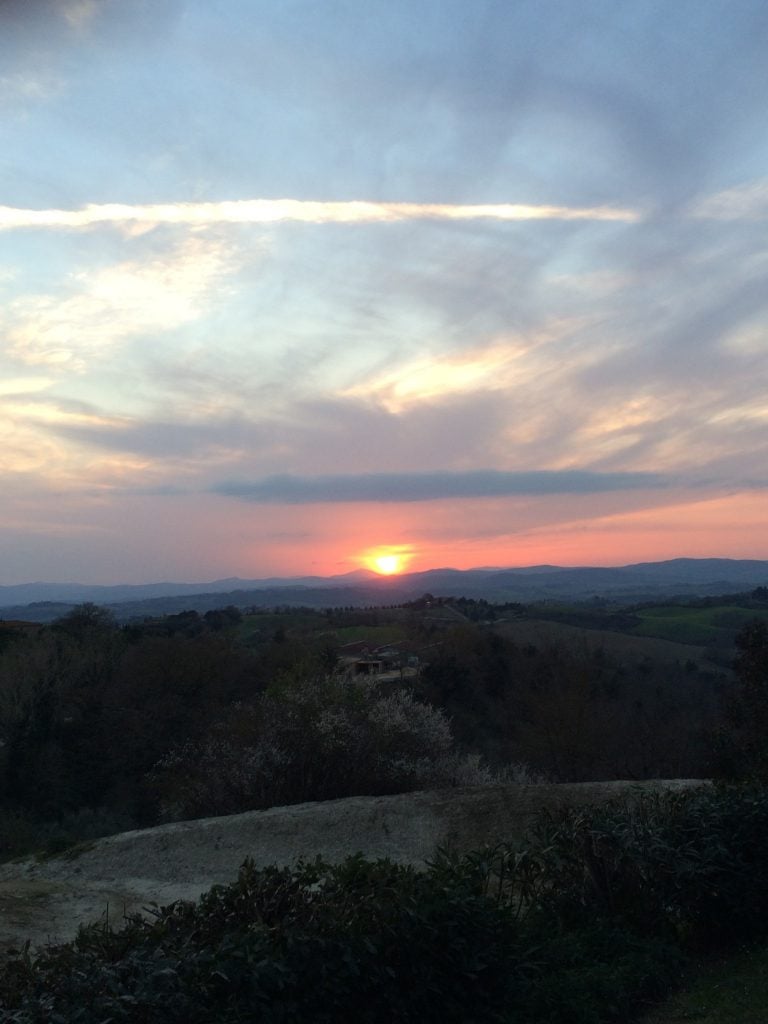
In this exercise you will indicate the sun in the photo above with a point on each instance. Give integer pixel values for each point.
(386, 561)
(388, 565)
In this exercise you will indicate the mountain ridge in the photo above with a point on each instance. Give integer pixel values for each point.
(683, 577)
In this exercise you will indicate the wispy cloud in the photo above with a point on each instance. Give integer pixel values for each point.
(509, 362)
(427, 378)
(22, 86)
(23, 385)
(270, 211)
(396, 487)
(79, 13)
(743, 202)
(113, 303)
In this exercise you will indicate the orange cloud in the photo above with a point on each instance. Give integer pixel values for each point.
(511, 361)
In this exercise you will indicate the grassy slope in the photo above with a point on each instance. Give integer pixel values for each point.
(714, 626)
(621, 645)
(377, 636)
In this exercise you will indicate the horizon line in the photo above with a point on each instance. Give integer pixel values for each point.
(372, 574)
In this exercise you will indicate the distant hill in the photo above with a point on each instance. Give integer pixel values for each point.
(645, 581)
(76, 593)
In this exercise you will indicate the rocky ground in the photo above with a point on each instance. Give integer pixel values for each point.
(46, 900)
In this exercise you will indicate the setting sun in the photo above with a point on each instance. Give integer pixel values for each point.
(388, 564)
(386, 561)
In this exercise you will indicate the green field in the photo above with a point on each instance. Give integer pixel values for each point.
(623, 646)
(378, 636)
(703, 627)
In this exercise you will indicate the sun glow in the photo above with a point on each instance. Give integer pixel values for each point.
(386, 561)
(387, 565)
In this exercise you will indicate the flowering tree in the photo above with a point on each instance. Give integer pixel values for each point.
(314, 739)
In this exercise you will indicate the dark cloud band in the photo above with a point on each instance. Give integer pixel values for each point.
(397, 487)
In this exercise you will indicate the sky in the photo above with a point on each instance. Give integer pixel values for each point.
(288, 286)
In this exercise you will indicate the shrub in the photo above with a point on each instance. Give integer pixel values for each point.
(689, 865)
(374, 942)
(316, 739)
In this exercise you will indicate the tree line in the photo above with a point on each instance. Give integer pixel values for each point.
(106, 727)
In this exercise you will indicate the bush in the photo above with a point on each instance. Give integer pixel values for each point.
(689, 865)
(317, 739)
(373, 942)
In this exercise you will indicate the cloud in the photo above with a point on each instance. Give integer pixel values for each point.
(44, 21)
(509, 363)
(409, 487)
(24, 86)
(23, 385)
(195, 441)
(432, 378)
(743, 202)
(79, 13)
(114, 303)
(270, 211)
(35, 446)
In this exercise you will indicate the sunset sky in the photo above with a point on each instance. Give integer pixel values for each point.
(294, 283)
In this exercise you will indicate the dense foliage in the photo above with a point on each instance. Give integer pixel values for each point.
(689, 866)
(85, 714)
(573, 712)
(581, 925)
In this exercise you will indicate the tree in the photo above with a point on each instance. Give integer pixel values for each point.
(85, 620)
(313, 739)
